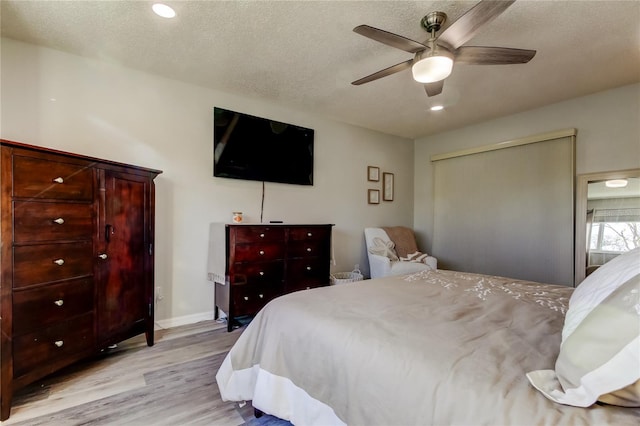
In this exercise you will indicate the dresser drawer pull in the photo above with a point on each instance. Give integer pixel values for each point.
(59, 221)
(261, 296)
(261, 252)
(246, 298)
(309, 249)
(261, 273)
(308, 268)
(102, 256)
(59, 262)
(308, 288)
(59, 302)
(58, 180)
(261, 235)
(58, 343)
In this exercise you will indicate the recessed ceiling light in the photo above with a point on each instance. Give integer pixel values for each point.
(616, 183)
(437, 108)
(163, 10)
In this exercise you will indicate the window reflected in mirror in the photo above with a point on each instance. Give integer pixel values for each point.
(613, 220)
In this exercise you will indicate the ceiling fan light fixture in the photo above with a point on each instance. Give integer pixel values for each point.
(434, 67)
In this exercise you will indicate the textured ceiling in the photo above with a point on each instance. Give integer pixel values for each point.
(304, 54)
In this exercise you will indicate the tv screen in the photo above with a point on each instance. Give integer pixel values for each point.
(255, 148)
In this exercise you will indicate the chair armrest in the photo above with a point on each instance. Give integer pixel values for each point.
(432, 261)
(379, 266)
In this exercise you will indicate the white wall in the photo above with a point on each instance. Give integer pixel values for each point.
(66, 102)
(608, 138)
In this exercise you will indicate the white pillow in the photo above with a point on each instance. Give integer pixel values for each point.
(599, 357)
(597, 286)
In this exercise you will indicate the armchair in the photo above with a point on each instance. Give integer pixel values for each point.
(389, 257)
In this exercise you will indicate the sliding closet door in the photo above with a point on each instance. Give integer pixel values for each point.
(507, 211)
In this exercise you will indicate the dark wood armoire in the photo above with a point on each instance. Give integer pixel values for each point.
(76, 259)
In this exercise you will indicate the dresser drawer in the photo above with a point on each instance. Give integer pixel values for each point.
(37, 178)
(303, 273)
(260, 273)
(308, 249)
(254, 234)
(310, 233)
(41, 221)
(249, 299)
(258, 252)
(44, 263)
(33, 309)
(67, 338)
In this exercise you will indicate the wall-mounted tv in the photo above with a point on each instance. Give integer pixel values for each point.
(255, 148)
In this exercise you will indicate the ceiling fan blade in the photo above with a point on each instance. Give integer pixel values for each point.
(434, 89)
(480, 55)
(390, 39)
(385, 72)
(468, 24)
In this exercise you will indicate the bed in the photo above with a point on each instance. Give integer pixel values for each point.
(440, 347)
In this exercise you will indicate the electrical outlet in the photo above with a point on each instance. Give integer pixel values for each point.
(210, 276)
(159, 295)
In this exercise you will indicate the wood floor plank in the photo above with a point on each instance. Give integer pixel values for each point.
(171, 383)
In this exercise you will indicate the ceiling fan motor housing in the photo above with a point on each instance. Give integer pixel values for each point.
(433, 21)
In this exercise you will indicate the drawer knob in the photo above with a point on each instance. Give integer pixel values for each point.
(59, 302)
(59, 262)
(261, 273)
(102, 256)
(58, 343)
(261, 235)
(261, 296)
(261, 252)
(59, 221)
(246, 298)
(308, 268)
(309, 249)
(309, 234)
(58, 180)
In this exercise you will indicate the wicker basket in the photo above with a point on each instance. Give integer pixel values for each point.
(346, 277)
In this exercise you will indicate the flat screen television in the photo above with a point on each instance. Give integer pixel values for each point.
(255, 148)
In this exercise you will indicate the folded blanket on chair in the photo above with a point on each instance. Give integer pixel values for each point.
(403, 239)
(417, 257)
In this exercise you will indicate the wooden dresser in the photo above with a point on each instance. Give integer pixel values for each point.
(253, 264)
(77, 260)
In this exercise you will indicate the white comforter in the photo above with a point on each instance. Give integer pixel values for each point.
(436, 347)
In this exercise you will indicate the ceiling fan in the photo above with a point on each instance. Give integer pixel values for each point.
(433, 60)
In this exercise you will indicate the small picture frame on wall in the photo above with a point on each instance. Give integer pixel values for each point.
(373, 174)
(387, 186)
(374, 196)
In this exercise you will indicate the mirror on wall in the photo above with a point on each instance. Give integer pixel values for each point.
(607, 218)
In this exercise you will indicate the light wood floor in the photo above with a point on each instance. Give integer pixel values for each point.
(171, 383)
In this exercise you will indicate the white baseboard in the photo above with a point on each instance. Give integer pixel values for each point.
(183, 320)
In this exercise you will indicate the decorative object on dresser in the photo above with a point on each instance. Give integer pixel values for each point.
(253, 264)
(76, 257)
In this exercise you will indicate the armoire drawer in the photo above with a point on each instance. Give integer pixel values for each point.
(40, 307)
(32, 350)
(38, 178)
(42, 263)
(40, 221)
